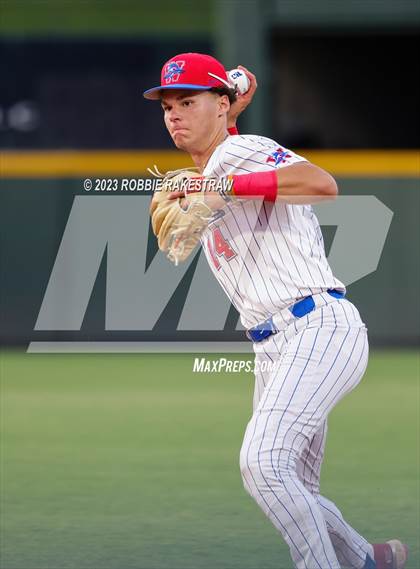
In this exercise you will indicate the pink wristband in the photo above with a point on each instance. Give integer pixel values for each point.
(254, 185)
(233, 130)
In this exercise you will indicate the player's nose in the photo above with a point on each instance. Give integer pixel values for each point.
(174, 114)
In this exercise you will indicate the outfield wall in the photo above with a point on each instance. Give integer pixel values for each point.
(38, 191)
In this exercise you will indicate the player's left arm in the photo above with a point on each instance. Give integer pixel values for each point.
(301, 182)
(282, 176)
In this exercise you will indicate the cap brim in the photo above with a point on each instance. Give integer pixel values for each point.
(154, 93)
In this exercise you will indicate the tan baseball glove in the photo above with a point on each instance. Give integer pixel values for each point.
(178, 224)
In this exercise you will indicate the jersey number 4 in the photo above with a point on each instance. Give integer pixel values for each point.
(219, 247)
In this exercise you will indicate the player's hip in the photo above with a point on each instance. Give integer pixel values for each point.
(328, 309)
(329, 346)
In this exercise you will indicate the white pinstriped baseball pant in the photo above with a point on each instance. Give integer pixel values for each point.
(319, 358)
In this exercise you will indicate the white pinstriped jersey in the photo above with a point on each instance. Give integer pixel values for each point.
(265, 256)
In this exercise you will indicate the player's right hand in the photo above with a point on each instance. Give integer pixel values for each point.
(244, 100)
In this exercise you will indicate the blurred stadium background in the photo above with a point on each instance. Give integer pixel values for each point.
(130, 461)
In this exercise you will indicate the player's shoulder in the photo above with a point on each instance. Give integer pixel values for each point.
(250, 142)
(247, 147)
(253, 152)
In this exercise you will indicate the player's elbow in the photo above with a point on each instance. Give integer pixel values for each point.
(326, 186)
(331, 187)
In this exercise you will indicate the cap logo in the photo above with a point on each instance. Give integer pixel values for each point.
(173, 71)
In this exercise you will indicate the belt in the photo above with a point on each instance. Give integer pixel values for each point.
(298, 309)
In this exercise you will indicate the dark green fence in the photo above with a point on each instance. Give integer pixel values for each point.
(34, 214)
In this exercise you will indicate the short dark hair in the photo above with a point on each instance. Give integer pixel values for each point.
(231, 93)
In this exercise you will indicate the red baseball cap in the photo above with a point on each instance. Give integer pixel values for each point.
(195, 71)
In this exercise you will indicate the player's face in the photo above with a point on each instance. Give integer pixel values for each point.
(193, 118)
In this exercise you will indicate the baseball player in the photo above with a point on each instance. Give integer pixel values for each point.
(264, 245)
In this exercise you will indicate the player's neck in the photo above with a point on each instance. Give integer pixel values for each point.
(201, 158)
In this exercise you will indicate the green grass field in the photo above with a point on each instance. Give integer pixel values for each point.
(131, 462)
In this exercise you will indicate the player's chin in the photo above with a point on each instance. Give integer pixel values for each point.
(180, 142)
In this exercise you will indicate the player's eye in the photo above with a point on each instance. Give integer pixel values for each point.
(186, 103)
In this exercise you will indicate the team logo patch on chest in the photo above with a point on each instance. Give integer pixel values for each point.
(278, 156)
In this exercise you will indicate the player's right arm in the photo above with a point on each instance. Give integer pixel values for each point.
(242, 101)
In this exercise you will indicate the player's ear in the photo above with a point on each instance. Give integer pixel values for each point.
(224, 104)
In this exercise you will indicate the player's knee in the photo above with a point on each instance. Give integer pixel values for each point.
(254, 470)
(260, 469)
